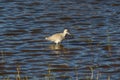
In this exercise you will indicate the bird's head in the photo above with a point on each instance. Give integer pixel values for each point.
(66, 31)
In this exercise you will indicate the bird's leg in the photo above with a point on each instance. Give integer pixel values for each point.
(57, 43)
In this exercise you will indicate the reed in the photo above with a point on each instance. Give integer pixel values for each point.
(49, 76)
(92, 74)
(76, 73)
(3, 56)
(108, 78)
(97, 78)
(18, 73)
(26, 77)
(7, 78)
(109, 42)
(18, 77)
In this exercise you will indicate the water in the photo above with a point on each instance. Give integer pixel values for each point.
(94, 43)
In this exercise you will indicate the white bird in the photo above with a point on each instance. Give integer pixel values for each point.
(58, 37)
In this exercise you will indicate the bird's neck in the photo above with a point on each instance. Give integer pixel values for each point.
(64, 34)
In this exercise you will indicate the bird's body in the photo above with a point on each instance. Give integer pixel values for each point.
(58, 37)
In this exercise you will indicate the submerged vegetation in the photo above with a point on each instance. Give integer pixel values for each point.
(50, 76)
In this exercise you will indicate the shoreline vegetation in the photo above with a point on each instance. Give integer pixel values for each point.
(50, 76)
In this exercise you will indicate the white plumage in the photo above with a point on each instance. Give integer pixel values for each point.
(58, 37)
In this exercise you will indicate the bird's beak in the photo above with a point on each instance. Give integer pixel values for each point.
(46, 38)
(68, 33)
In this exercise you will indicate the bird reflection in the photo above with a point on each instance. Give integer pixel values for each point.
(58, 48)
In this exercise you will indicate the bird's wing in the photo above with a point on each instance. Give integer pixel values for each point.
(55, 36)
